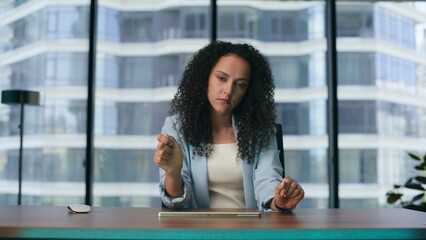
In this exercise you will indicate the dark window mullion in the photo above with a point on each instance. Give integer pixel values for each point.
(213, 20)
(333, 130)
(91, 77)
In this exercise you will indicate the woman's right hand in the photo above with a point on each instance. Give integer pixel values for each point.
(169, 155)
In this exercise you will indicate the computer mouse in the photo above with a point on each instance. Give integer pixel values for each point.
(79, 208)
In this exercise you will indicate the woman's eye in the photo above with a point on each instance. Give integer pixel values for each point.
(221, 78)
(242, 84)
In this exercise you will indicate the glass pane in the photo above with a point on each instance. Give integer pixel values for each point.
(143, 47)
(382, 111)
(43, 48)
(292, 36)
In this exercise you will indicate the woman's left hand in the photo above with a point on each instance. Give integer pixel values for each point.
(288, 193)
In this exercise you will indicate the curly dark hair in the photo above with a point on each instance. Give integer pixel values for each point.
(256, 113)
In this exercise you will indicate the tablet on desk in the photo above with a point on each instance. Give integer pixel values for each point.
(210, 214)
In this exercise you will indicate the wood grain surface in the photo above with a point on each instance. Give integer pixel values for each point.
(21, 221)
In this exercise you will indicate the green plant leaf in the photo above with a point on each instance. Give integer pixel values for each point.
(421, 179)
(409, 181)
(420, 167)
(424, 158)
(415, 207)
(415, 186)
(413, 156)
(417, 197)
(393, 197)
(396, 186)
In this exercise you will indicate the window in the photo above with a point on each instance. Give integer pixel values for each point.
(355, 20)
(136, 72)
(67, 22)
(358, 166)
(237, 22)
(195, 22)
(288, 27)
(356, 68)
(357, 117)
(108, 28)
(39, 56)
(287, 34)
(142, 50)
(136, 27)
(380, 96)
(141, 53)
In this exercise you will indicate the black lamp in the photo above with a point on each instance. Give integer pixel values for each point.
(20, 97)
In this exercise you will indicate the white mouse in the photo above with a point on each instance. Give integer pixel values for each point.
(79, 208)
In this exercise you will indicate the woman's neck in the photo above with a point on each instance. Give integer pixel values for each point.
(222, 130)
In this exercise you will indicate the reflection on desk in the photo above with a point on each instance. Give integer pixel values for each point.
(30, 222)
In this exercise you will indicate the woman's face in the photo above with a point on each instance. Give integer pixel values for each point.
(228, 83)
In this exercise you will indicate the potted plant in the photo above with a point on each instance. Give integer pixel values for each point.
(418, 202)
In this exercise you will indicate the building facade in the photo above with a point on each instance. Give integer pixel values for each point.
(142, 49)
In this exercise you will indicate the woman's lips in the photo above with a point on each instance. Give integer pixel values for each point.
(223, 100)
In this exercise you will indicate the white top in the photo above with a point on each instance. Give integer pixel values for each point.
(225, 177)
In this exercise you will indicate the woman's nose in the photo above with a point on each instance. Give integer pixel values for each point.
(228, 89)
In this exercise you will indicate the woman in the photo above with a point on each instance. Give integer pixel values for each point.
(218, 149)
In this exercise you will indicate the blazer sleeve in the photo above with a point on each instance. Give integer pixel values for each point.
(267, 175)
(170, 127)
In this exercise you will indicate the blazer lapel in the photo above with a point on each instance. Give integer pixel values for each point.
(199, 174)
(248, 184)
(247, 169)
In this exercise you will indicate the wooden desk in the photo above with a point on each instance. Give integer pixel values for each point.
(142, 223)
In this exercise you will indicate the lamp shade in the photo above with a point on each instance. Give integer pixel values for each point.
(20, 97)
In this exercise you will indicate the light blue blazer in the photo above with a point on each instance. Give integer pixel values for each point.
(259, 178)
